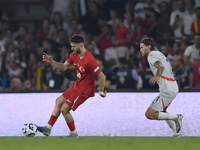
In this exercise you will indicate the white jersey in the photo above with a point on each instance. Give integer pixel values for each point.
(166, 82)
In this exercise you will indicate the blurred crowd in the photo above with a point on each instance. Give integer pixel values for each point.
(112, 30)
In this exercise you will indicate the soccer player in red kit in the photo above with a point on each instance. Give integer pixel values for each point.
(86, 70)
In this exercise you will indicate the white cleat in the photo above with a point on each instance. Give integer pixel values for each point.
(73, 135)
(177, 135)
(178, 123)
(44, 130)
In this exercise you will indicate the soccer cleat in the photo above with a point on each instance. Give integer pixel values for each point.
(178, 123)
(46, 131)
(177, 135)
(73, 135)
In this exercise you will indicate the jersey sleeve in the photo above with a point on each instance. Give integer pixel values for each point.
(70, 59)
(93, 67)
(153, 60)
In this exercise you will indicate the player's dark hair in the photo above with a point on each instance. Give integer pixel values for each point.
(77, 39)
(148, 41)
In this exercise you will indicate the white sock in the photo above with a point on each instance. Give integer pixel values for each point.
(74, 131)
(49, 126)
(166, 116)
(172, 125)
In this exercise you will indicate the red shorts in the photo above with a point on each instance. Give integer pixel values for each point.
(73, 99)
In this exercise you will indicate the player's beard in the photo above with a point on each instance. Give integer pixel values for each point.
(145, 53)
(78, 51)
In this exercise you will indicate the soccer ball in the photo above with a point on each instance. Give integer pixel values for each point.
(29, 129)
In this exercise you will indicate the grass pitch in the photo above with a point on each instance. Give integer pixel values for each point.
(99, 143)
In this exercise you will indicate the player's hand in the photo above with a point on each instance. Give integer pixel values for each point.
(154, 79)
(102, 94)
(47, 58)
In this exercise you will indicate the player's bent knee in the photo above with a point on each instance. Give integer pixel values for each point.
(60, 101)
(149, 115)
(65, 108)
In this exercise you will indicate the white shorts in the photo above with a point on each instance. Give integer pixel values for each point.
(162, 101)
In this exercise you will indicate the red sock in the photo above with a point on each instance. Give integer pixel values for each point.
(52, 120)
(71, 126)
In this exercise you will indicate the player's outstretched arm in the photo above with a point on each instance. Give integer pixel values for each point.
(102, 80)
(160, 69)
(47, 58)
(60, 66)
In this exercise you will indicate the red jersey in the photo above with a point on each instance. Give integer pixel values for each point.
(120, 34)
(86, 70)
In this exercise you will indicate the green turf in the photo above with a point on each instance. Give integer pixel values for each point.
(99, 143)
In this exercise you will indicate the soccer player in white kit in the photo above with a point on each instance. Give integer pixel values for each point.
(168, 87)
